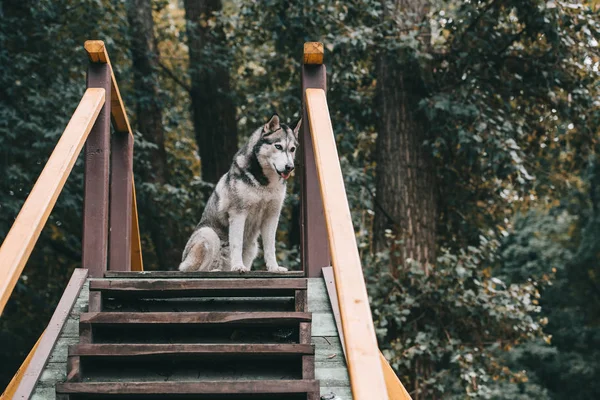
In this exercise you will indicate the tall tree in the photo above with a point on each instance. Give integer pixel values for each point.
(149, 117)
(213, 108)
(406, 197)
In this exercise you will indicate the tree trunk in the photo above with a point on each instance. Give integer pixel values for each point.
(213, 109)
(145, 74)
(406, 193)
(149, 119)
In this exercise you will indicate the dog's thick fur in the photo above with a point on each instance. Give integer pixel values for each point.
(246, 202)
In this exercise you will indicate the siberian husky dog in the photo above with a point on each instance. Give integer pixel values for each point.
(246, 202)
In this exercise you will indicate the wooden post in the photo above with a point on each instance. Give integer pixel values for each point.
(97, 158)
(314, 247)
(121, 201)
(122, 191)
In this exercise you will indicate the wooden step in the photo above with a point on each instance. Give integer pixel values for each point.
(158, 288)
(231, 387)
(272, 318)
(132, 350)
(204, 275)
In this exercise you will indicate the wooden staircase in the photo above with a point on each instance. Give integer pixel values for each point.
(193, 336)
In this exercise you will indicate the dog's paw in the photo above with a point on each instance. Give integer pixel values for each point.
(240, 268)
(277, 268)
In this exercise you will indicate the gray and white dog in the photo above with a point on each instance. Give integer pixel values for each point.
(246, 202)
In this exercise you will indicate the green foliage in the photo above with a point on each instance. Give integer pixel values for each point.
(446, 331)
(510, 310)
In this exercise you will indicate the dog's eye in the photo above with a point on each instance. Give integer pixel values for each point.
(293, 149)
(278, 147)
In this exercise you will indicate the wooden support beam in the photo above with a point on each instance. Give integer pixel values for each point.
(121, 203)
(21, 238)
(96, 186)
(313, 53)
(314, 247)
(364, 365)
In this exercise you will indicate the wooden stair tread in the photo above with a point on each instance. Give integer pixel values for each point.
(123, 350)
(205, 387)
(194, 317)
(204, 275)
(135, 285)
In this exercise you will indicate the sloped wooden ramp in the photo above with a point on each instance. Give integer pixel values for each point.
(182, 337)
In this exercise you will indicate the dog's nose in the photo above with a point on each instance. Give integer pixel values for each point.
(289, 168)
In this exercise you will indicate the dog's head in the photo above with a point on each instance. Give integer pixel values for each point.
(278, 145)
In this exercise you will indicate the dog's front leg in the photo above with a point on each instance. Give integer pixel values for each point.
(236, 241)
(268, 231)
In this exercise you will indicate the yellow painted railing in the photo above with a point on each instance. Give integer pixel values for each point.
(362, 353)
(21, 238)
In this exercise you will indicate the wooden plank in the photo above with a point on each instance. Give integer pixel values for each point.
(271, 318)
(395, 388)
(137, 264)
(362, 353)
(308, 367)
(305, 332)
(94, 247)
(162, 285)
(301, 300)
(74, 369)
(121, 202)
(95, 304)
(313, 53)
(97, 53)
(9, 392)
(203, 275)
(128, 350)
(51, 334)
(207, 387)
(314, 246)
(335, 307)
(21, 238)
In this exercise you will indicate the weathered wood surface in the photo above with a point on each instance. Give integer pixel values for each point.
(126, 350)
(215, 387)
(21, 238)
(97, 53)
(195, 318)
(152, 285)
(94, 243)
(313, 53)
(203, 275)
(121, 202)
(364, 365)
(314, 245)
(50, 338)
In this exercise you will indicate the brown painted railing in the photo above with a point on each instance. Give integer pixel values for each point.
(371, 377)
(89, 125)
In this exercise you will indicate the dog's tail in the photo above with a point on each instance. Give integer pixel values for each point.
(201, 251)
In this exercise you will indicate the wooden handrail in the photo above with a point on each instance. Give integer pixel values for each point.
(97, 53)
(26, 229)
(362, 353)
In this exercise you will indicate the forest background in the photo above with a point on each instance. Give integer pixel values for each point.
(468, 135)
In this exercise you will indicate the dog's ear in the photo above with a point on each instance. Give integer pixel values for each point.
(297, 128)
(272, 125)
